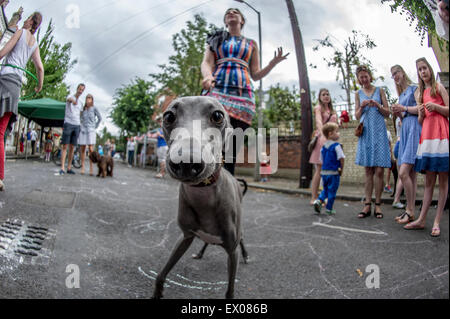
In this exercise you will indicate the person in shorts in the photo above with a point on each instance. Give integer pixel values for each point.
(71, 128)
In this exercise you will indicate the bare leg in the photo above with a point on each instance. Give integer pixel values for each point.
(315, 183)
(430, 181)
(368, 189)
(379, 173)
(83, 157)
(406, 170)
(63, 155)
(70, 159)
(443, 192)
(91, 165)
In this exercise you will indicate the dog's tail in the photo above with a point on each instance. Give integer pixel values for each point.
(243, 183)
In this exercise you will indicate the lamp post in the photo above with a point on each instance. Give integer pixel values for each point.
(257, 175)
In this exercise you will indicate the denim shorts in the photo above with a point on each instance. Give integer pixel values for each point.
(70, 134)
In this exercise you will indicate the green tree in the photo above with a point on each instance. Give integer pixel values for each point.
(57, 63)
(346, 57)
(416, 12)
(282, 109)
(133, 106)
(182, 74)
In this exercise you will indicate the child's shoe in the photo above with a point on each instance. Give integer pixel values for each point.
(387, 189)
(317, 205)
(330, 212)
(398, 205)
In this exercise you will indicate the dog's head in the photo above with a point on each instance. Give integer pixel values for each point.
(196, 130)
(95, 157)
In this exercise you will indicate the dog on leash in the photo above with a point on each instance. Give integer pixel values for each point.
(105, 164)
(209, 196)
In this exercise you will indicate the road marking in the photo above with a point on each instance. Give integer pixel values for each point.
(351, 229)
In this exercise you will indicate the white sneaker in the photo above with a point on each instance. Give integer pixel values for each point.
(2, 186)
(317, 205)
(398, 205)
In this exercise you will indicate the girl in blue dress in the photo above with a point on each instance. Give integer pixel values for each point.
(373, 150)
(409, 138)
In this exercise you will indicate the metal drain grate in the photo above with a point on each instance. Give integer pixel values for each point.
(20, 238)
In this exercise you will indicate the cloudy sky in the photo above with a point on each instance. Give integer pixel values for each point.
(117, 40)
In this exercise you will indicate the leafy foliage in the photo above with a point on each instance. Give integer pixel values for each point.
(417, 12)
(57, 63)
(182, 74)
(282, 109)
(133, 106)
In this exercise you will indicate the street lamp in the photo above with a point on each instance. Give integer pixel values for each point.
(257, 176)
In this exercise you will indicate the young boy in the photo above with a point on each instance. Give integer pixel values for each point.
(332, 157)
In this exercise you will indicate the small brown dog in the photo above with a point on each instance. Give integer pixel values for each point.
(105, 164)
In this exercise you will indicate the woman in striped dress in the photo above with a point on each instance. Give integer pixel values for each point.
(230, 61)
(432, 153)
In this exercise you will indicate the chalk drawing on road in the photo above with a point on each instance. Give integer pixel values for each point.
(350, 229)
(191, 284)
(137, 233)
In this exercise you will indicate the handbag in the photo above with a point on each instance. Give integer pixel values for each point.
(360, 128)
(315, 138)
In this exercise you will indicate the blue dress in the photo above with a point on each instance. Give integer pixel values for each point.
(373, 145)
(411, 129)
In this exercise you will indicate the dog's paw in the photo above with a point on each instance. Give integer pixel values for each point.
(246, 259)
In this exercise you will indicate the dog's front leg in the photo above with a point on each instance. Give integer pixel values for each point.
(179, 250)
(232, 269)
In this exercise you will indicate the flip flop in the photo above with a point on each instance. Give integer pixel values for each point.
(413, 227)
(435, 232)
(410, 219)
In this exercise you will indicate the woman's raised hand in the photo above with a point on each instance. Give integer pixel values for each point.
(278, 57)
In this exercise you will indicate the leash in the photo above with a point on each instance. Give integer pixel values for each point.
(27, 72)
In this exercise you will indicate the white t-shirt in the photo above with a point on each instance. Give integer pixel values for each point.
(73, 111)
(33, 135)
(130, 146)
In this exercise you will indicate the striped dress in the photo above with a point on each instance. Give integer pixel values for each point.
(233, 87)
(432, 153)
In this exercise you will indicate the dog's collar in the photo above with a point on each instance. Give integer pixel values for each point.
(210, 180)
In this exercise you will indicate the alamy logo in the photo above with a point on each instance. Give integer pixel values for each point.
(73, 280)
(73, 19)
(373, 279)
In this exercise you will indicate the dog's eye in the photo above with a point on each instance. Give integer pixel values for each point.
(169, 118)
(217, 117)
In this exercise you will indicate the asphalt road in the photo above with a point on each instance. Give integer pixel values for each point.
(117, 233)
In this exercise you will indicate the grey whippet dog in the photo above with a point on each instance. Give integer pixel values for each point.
(209, 197)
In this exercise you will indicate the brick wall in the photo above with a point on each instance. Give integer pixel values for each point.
(289, 154)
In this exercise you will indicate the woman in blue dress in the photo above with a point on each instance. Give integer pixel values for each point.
(373, 150)
(409, 138)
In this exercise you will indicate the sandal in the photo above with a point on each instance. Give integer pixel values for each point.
(365, 214)
(435, 232)
(378, 215)
(411, 226)
(400, 216)
(401, 221)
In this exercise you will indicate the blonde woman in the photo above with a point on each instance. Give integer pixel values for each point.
(324, 113)
(407, 109)
(90, 120)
